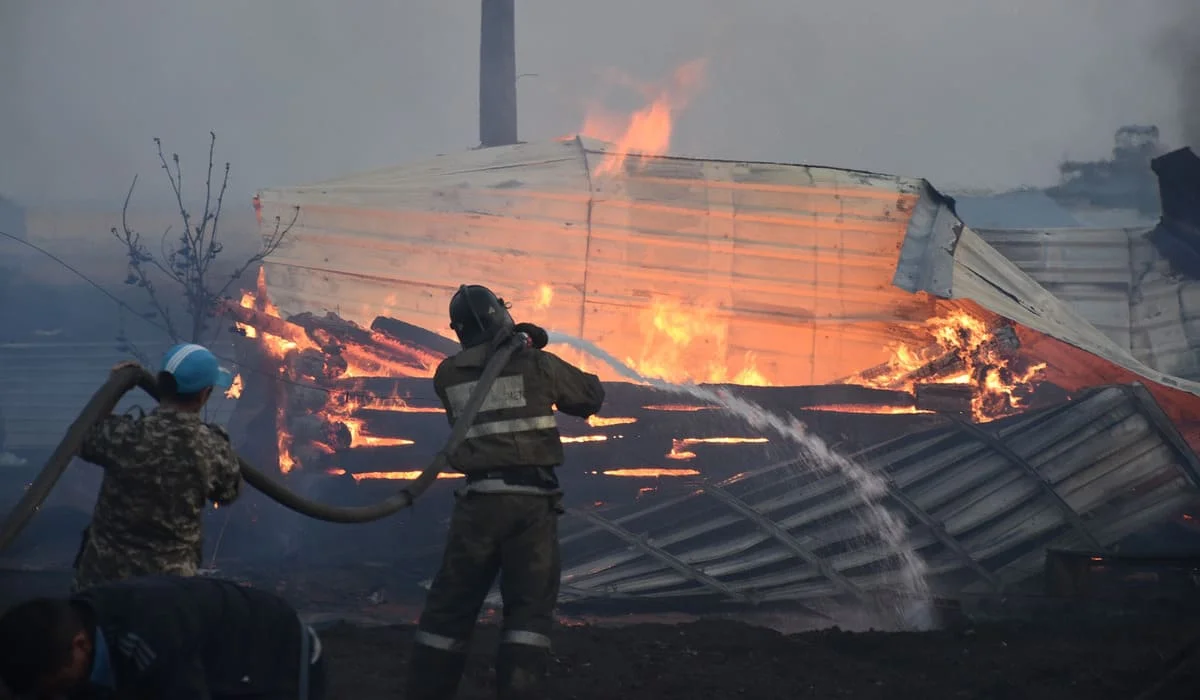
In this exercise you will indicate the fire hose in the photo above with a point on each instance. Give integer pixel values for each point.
(119, 383)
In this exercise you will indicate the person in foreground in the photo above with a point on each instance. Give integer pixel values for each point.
(159, 471)
(161, 638)
(506, 516)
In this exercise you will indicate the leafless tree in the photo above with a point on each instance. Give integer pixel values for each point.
(186, 259)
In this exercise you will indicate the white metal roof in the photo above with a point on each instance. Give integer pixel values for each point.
(813, 268)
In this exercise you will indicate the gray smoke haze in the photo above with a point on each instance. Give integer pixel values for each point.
(973, 93)
(1179, 51)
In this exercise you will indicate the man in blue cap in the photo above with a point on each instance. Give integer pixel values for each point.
(160, 470)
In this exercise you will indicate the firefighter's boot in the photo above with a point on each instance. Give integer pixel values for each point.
(434, 674)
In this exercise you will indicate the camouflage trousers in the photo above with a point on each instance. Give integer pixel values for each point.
(99, 561)
(516, 536)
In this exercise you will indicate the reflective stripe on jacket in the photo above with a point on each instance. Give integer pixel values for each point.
(515, 426)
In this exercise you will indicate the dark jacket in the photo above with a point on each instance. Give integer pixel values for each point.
(515, 427)
(186, 638)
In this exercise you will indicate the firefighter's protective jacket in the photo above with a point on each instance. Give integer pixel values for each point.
(515, 426)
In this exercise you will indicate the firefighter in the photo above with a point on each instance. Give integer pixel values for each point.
(159, 472)
(505, 518)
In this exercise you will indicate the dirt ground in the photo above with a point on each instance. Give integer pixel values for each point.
(724, 659)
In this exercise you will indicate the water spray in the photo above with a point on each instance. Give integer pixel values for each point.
(870, 486)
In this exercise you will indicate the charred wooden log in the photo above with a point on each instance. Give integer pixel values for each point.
(945, 398)
(315, 365)
(371, 350)
(1001, 343)
(415, 336)
(331, 327)
(414, 391)
(264, 322)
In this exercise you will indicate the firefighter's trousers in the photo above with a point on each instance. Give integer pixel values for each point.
(515, 535)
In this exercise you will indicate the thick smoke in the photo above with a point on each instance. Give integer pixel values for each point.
(1180, 52)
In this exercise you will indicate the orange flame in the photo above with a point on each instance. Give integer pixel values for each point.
(675, 338)
(235, 390)
(679, 446)
(969, 341)
(583, 438)
(648, 131)
(650, 472)
(859, 408)
(543, 298)
(598, 422)
(391, 476)
(259, 300)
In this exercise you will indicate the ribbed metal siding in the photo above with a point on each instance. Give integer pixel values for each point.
(44, 386)
(1115, 279)
(1110, 455)
(797, 260)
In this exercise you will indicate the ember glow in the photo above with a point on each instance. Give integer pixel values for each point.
(599, 422)
(648, 131)
(650, 472)
(962, 349)
(583, 438)
(391, 476)
(855, 408)
(396, 405)
(679, 447)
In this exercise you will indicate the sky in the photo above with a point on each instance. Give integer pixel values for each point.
(966, 93)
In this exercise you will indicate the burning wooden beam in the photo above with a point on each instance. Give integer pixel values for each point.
(414, 336)
(265, 323)
(1002, 341)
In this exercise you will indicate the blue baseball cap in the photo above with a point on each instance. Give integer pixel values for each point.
(195, 369)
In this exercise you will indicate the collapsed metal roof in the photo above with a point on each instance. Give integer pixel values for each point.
(984, 503)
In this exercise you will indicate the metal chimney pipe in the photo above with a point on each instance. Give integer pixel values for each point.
(497, 74)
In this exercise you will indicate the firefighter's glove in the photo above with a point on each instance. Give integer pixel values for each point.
(537, 335)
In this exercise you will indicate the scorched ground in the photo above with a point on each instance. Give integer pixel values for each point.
(724, 659)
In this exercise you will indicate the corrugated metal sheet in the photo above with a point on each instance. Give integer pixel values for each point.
(44, 386)
(793, 263)
(1116, 280)
(1110, 456)
(944, 258)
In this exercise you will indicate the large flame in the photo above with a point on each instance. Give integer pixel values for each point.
(962, 349)
(690, 343)
(648, 131)
(679, 343)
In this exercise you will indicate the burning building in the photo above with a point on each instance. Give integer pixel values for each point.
(1000, 420)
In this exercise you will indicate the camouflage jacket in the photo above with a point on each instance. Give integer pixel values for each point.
(159, 472)
(515, 427)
